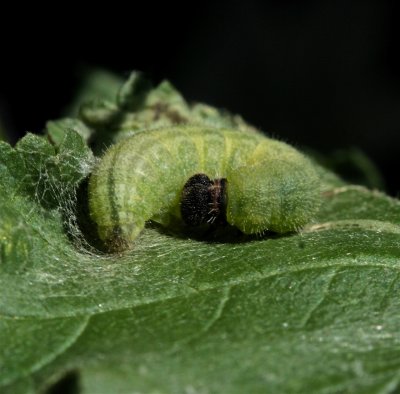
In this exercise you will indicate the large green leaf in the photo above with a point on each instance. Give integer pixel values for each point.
(317, 311)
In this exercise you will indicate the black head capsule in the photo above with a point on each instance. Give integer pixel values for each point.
(204, 200)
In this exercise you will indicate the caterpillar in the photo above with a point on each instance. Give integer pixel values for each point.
(259, 184)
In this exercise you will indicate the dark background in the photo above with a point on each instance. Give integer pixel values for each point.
(322, 74)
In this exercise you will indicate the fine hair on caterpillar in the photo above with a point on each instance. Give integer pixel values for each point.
(203, 201)
(200, 174)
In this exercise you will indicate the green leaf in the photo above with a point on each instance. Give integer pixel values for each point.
(56, 129)
(44, 172)
(139, 106)
(132, 94)
(96, 84)
(316, 311)
(311, 312)
(353, 165)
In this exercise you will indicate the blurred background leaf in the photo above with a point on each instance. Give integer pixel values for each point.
(317, 74)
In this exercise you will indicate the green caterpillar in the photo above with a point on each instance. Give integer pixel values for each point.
(263, 184)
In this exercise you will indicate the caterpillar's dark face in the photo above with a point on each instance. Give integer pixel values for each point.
(203, 200)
